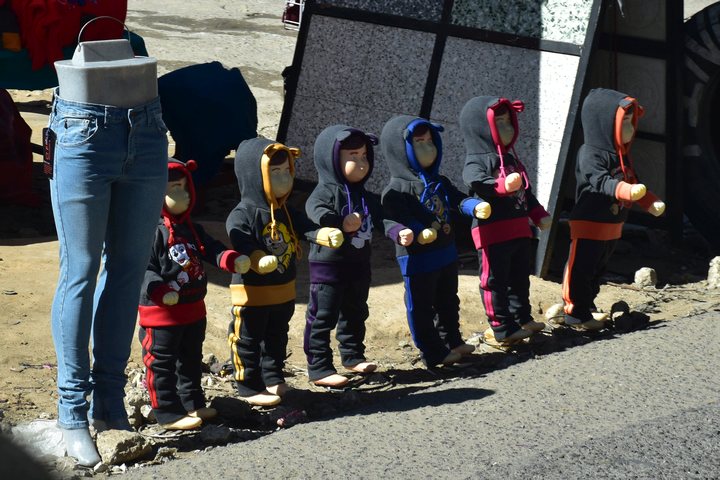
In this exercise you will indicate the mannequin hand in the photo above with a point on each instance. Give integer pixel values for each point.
(657, 208)
(406, 237)
(482, 210)
(352, 222)
(637, 191)
(544, 223)
(242, 264)
(336, 237)
(513, 182)
(267, 264)
(171, 298)
(427, 236)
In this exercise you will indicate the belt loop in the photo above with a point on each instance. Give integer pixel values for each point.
(106, 118)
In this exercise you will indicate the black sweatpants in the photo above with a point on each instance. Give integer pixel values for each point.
(258, 339)
(173, 361)
(343, 305)
(586, 263)
(433, 312)
(505, 285)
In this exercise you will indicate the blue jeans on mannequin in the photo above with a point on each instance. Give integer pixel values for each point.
(109, 178)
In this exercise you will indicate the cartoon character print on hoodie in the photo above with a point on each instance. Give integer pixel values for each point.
(262, 225)
(332, 200)
(488, 163)
(418, 198)
(185, 254)
(604, 167)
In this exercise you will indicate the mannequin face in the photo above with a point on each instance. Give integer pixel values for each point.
(281, 180)
(505, 129)
(425, 149)
(354, 164)
(177, 197)
(627, 131)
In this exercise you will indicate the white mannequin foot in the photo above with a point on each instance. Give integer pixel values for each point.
(280, 389)
(184, 423)
(362, 367)
(333, 380)
(79, 444)
(204, 413)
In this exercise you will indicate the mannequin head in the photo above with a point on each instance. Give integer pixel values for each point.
(627, 129)
(504, 125)
(354, 163)
(177, 195)
(425, 150)
(281, 180)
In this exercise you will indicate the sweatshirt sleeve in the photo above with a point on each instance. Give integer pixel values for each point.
(215, 250)
(647, 201)
(594, 168)
(154, 287)
(320, 208)
(478, 176)
(397, 213)
(240, 229)
(458, 200)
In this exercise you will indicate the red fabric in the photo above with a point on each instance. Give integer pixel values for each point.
(15, 155)
(227, 260)
(647, 201)
(104, 29)
(159, 292)
(46, 26)
(171, 315)
(537, 214)
(501, 231)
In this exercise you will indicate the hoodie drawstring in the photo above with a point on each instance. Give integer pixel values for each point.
(171, 234)
(350, 206)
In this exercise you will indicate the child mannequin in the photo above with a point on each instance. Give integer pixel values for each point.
(340, 277)
(264, 298)
(606, 189)
(493, 171)
(172, 309)
(416, 206)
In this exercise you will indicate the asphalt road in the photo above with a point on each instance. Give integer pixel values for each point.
(640, 405)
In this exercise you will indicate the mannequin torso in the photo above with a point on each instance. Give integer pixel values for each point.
(106, 72)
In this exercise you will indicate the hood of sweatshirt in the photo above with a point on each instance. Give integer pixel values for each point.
(252, 169)
(602, 115)
(477, 123)
(170, 219)
(186, 170)
(327, 155)
(397, 148)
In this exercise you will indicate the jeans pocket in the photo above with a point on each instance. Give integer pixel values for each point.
(160, 123)
(72, 131)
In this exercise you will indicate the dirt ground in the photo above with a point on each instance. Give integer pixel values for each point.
(28, 271)
(29, 265)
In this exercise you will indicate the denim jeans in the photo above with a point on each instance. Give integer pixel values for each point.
(109, 179)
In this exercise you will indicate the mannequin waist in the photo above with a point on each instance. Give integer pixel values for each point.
(149, 112)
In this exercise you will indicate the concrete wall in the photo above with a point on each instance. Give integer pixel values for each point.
(364, 70)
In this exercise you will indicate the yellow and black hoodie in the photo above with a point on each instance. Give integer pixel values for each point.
(604, 170)
(261, 225)
(176, 264)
